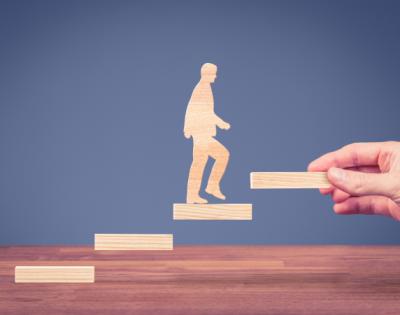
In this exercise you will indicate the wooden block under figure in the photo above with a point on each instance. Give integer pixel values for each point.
(232, 211)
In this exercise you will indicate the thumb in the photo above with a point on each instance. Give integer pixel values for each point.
(360, 183)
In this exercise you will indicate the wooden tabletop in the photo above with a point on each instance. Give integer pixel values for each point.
(210, 280)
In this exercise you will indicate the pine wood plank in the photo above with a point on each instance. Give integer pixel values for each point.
(54, 274)
(288, 180)
(133, 241)
(223, 211)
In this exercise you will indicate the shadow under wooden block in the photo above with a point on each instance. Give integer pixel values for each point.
(133, 242)
(288, 180)
(221, 211)
(54, 274)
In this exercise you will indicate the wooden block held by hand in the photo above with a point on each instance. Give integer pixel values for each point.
(222, 211)
(133, 241)
(288, 180)
(54, 274)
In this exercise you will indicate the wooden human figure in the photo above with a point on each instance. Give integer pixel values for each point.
(200, 124)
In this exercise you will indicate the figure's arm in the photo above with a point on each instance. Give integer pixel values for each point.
(187, 129)
(221, 123)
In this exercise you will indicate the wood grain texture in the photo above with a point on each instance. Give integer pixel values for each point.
(201, 123)
(238, 211)
(133, 242)
(223, 280)
(54, 274)
(288, 180)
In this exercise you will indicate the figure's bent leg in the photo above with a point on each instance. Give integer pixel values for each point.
(221, 156)
(200, 158)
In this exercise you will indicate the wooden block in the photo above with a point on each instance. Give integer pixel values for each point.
(54, 274)
(272, 180)
(133, 241)
(222, 211)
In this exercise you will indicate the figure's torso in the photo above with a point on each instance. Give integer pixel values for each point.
(200, 117)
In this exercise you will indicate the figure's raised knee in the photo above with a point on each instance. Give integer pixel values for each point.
(228, 154)
(225, 154)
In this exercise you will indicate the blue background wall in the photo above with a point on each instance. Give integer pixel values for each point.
(93, 95)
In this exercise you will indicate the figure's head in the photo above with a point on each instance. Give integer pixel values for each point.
(208, 72)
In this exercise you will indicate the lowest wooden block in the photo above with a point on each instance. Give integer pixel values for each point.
(285, 180)
(133, 241)
(54, 274)
(223, 211)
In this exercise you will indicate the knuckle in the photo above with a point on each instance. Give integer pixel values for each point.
(353, 145)
(335, 160)
(353, 148)
(355, 158)
(358, 184)
(369, 206)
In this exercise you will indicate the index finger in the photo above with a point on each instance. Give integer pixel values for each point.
(352, 155)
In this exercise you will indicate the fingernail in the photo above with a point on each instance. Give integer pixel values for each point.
(337, 174)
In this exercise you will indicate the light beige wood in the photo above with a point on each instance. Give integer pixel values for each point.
(238, 211)
(133, 241)
(271, 180)
(54, 274)
(201, 124)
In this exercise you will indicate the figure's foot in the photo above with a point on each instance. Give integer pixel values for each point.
(216, 192)
(196, 199)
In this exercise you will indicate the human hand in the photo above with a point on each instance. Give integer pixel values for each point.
(365, 178)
